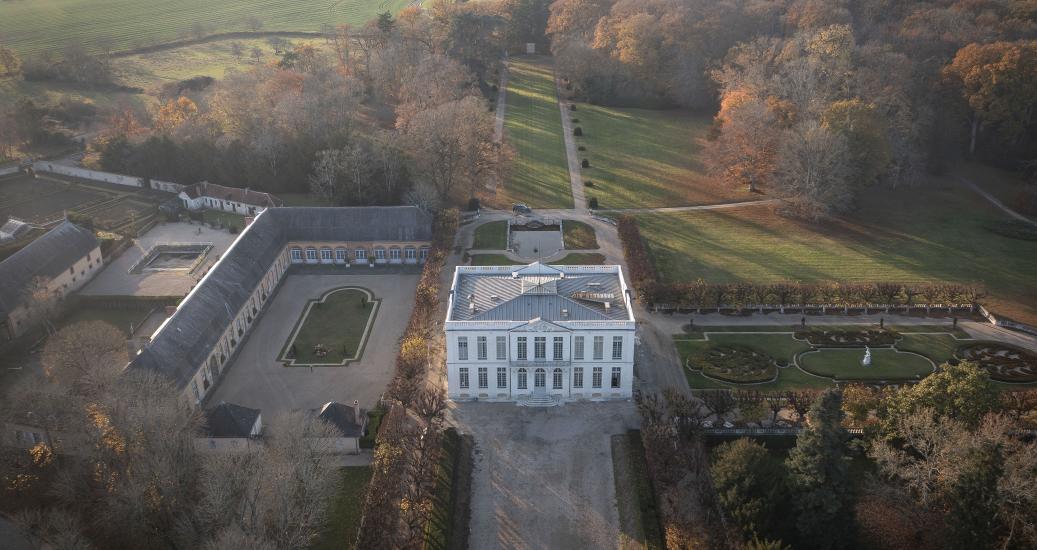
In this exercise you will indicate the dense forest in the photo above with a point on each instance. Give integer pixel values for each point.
(818, 99)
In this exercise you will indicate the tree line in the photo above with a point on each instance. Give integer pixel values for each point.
(817, 101)
(119, 466)
(951, 462)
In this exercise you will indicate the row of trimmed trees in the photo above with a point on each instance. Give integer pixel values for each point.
(408, 447)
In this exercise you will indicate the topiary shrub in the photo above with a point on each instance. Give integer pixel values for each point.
(575, 120)
(572, 106)
(577, 131)
(588, 183)
(586, 163)
(593, 203)
(581, 148)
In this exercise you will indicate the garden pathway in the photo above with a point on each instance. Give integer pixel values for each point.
(575, 179)
(994, 200)
(498, 121)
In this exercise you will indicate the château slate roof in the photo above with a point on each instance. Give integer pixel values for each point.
(230, 420)
(47, 256)
(188, 337)
(538, 291)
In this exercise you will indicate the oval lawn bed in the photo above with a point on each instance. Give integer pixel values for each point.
(845, 364)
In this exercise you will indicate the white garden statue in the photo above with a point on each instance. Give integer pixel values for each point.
(867, 357)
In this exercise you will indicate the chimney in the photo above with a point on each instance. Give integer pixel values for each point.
(356, 411)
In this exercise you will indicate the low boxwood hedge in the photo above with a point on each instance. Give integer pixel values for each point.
(841, 338)
(735, 364)
(1004, 362)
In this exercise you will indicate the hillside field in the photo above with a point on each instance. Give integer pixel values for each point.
(48, 25)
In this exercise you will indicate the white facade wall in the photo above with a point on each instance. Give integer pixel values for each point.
(223, 205)
(569, 374)
(107, 177)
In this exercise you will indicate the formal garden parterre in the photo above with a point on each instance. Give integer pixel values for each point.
(788, 358)
(333, 329)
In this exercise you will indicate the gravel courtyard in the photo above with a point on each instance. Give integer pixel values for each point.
(116, 279)
(255, 378)
(543, 476)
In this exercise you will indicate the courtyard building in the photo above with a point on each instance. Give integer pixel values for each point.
(348, 423)
(196, 343)
(210, 196)
(57, 264)
(539, 334)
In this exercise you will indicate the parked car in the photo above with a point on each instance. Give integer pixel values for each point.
(520, 208)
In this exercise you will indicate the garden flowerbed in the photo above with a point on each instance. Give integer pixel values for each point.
(1005, 363)
(735, 364)
(848, 338)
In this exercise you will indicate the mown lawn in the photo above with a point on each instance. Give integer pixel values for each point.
(539, 175)
(491, 259)
(34, 27)
(491, 236)
(337, 323)
(346, 511)
(225, 219)
(934, 232)
(580, 258)
(648, 158)
(578, 235)
(886, 364)
(209, 59)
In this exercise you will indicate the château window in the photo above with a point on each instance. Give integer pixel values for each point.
(617, 372)
(521, 351)
(480, 347)
(325, 254)
(522, 380)
(599, 347)
(578, 347)
(539, 348)
(502, 348)
(462, 348)
(463, 377)
(578, 377)
(557, 348)
(556, 379)
(596, 377)
(617, 347)
(483, 378)
(311, 253)
(502, 377)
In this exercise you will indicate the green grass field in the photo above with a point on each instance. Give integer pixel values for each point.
(886, 364)
(648, 158)
(578, 236)
(539, 175)
(48, 25)
(491, 236)
(929, 233)
(346, 511)
(149, 70)
(576, 258)
(337, 323)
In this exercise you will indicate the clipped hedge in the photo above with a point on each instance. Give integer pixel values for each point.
(1004, 362)
(735, 364)
(848, 338)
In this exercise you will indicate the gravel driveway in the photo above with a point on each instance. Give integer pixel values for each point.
(543, 476)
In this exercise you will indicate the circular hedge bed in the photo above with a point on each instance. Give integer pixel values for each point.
(838, 338)
(735, 364)
(845, 364)
(1004, 362)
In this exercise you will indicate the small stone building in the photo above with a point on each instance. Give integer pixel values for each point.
(350, 423)
(230, 428)
(210, 196)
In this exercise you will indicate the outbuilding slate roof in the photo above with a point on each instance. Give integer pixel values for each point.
(343, 418)
(48, 256)
(188, 337)
(235, 194)
(230, 420)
